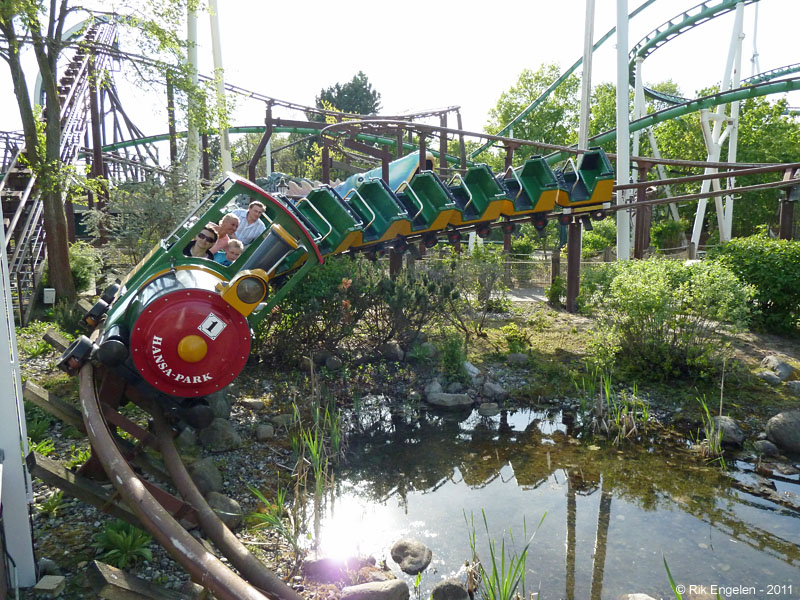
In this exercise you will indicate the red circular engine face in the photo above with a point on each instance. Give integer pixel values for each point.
(190, 343)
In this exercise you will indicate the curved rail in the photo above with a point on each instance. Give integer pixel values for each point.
(202, 565)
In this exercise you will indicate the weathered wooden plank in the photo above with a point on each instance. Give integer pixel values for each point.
(58, 408)
(114, 584)
(56, 340)
(53, 473)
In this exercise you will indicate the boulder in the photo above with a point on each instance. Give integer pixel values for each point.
(449, 400)
(794, 386)
(333, 363)
(220, 436)
(254, 404)
(186, 439)
(455, 387)
(769, 377)
(391, 351)
(412, 556)
(471, 369)
(766, 448)
(395, 589)
(732, 434)
(228, 510)
(220, 403)
(282, 420)
(325, 570)
(449, 589)
(434, 387)
(264, 432)
(489, 409)
(783, 430)
(494, 391)
(779, 367)
(205, 475)
(518, 359)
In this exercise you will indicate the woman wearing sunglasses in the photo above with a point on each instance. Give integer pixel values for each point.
(200, 246)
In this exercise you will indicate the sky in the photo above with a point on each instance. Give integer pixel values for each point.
(429, 54)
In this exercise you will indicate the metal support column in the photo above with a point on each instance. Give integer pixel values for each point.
(573, 265)
(643, 214)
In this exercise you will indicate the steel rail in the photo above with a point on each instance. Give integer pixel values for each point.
(202, 565)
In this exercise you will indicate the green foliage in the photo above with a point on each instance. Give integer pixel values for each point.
(668, 233)
(772, 267)
(556, 291)
(78, 456)
(504, 572)
(663, 317)
(452, 354)
(419, 353)
(38, 427)
(68, 316)
(602, 236)
(44, 447)
(121, 544)
(275, 516)
(354, 97)
(517, 339)
(52, 504)
(85, 263)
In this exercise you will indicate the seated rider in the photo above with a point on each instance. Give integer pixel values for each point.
(230, 254)
(201, 243)
(250, 224)
(227, 227)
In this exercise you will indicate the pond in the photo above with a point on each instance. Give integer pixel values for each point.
(609, 517)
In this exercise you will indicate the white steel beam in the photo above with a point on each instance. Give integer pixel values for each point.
(623, 132)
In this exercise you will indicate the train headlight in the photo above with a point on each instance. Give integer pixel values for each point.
(246, 291)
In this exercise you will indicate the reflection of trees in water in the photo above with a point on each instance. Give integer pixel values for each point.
(395, 453)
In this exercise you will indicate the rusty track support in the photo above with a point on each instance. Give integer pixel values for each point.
(202, 565)
(248, 565)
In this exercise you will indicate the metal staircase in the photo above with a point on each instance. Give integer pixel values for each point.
(23, 220)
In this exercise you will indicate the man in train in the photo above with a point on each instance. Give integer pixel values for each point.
(250, 224)
(201, 244)
(227, 227)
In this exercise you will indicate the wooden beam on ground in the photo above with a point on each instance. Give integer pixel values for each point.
(56, 340)
(52, 405)
(111, 583)
(54, 474)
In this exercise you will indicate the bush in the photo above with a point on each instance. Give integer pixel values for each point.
(668, 233)
(772, 267)
(663, 317)
(556, 291)
(85, 263)
(452, 354)
(602, 236)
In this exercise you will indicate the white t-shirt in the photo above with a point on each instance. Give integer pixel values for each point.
(247, 232)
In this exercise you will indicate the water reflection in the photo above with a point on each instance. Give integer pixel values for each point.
(611, 516)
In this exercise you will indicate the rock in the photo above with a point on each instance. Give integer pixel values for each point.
(766, 448)
(325, 570)
(264, 432)
(321, 357)
(48, 567)
(193, 590)
(395, 589)
(783, 430)
(333, 363)
(781, 368)
(186, 439)
(282, 420)
(370, 574)
(455, 387)
(429, 349)
(205, 475)
(449, 400)
(220, 436)
(254, 404)
(227, 509)
(494, 391)
(50, 586)
(489, 409)
(731, 432)
(794, 386)
(517, 359)
(769, 377)
(412, 556)
(471, 369)
(434, 387)
(449, 589)
(391, 351)
(220, 403)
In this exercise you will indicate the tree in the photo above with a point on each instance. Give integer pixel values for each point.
(355, 97)
(40, 26)
(555, 121)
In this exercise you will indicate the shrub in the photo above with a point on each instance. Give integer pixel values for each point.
(667, 233)
(452, 354)
(517, 339)
(772, 267)
(556, 291)
(602, 236)
(85, 263)
(663, 316)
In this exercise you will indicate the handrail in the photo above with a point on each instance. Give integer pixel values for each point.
(414, 194)
(519, 183)
(319, 214)
(463, 185)
(364, 202)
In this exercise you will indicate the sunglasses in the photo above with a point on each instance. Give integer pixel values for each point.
(207, 238)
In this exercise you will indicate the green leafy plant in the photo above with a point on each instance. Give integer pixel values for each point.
(44, 447)
(275, 516)
(78, 456)
(52, 504)
(85, 263)
(121, 544)
(517, 339)
(419, 353)
(504, 572)
(556, 291)
(452, 354)
(38, 427)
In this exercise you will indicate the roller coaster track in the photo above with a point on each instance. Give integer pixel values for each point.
(100, 393)
(21, 201)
